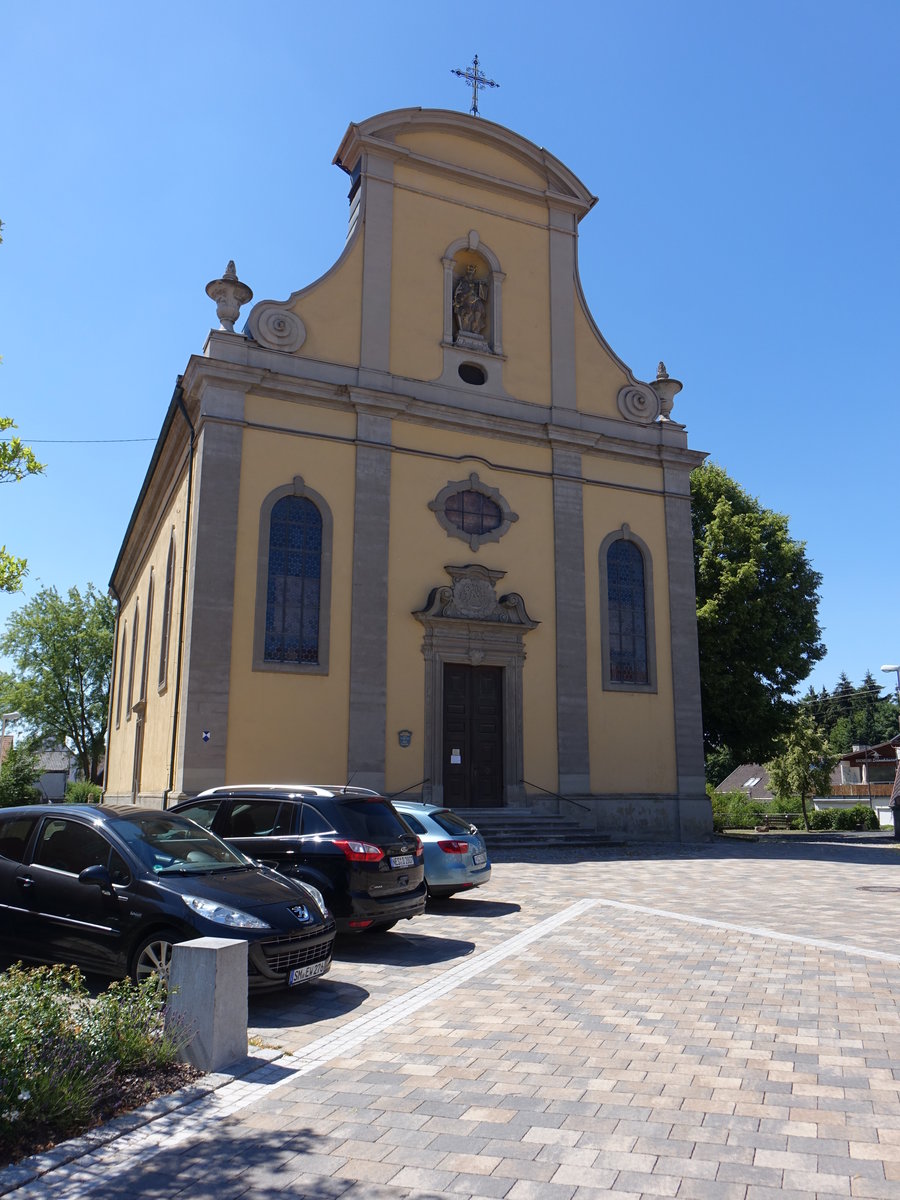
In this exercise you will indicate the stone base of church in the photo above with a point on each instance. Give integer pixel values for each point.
(637, 818)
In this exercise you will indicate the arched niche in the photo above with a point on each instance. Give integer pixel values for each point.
(473, 284)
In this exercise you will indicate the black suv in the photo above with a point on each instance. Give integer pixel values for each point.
(349, 842)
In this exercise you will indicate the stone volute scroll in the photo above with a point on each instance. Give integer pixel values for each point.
(638, 402)
(275, 325)
(230, 295)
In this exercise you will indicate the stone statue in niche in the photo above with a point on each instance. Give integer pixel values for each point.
(470, 305)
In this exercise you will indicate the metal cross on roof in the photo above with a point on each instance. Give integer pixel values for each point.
(477, 78)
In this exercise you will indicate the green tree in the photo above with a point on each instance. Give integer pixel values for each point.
(757, 616)
(61, 650)
(16, 462)
(803, 766)
(18, 774)
(853, 716)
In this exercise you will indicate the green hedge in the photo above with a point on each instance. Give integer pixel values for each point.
(82, 792)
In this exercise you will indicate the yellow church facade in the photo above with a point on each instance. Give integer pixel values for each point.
(417, 527)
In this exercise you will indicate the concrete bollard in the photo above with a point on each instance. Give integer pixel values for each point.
(208, 999)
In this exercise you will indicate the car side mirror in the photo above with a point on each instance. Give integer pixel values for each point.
(96, 874)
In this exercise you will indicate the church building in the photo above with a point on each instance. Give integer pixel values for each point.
(416, 527)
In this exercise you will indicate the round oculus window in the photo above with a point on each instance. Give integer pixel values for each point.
(471, 373)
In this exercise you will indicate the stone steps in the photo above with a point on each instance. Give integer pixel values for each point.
(523, 829)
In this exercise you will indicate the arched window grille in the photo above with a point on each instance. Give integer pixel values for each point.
(123, 645)
(293, 587)
(131, 663)
(627, 614)
(166, 630)
(628, 639)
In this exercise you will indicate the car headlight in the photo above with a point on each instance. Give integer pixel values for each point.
(316, 895)
(221, 914)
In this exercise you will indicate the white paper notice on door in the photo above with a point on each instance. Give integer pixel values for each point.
(455, 758)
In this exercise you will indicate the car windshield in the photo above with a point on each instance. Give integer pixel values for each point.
(371, 820)
(168, 844)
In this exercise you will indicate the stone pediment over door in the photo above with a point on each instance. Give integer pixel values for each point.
(466, 622)
(471, 597)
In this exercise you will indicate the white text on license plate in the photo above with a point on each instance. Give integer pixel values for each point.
(310, 972)
(403, 860)
(478, 859)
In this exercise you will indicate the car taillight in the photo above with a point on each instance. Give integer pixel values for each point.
(420, 849)
(454, 847)
(359, 851)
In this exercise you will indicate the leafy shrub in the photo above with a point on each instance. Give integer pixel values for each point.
(858, 815)
(787, 804)
(822, 818)
(733, 810)
(18, 775)
(82, 792)
(61, 1051)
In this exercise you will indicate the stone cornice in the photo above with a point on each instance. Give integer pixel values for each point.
(427, 403)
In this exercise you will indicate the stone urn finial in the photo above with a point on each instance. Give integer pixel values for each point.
(667, 389)
(229, 294)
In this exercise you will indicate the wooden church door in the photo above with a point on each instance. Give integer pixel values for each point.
(473, 736)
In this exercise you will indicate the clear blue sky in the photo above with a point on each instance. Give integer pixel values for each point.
(745, 159)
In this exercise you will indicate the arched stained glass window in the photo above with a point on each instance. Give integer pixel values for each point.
(293, 588)
(626, 609)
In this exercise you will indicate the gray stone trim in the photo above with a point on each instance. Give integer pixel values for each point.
(378, 216)
(572, 734)
(473, 484)
(562, 310)
(296, 488)
(492, 638)
(369, 603)
(683, 620)
(608, 684)
(210, 604)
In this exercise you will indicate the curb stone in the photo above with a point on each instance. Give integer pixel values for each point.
(30, 1169)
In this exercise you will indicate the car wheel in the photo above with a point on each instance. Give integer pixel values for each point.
(153, 956)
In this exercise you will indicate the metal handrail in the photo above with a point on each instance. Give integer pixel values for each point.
(394, 795)
(547, 792)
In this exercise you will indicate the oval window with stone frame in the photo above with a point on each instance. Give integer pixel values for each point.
(473, 511)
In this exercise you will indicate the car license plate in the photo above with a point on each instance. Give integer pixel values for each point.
(403, 860)
(478, 859)
(310, 972)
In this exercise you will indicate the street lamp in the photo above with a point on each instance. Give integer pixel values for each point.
(894, 668)
(8, 717)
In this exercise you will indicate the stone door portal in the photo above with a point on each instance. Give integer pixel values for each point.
(473, 736)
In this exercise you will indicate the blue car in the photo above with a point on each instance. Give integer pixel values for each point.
(456, 858)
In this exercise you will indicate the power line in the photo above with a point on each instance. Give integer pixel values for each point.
(78, 441)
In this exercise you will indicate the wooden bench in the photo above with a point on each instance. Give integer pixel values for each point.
(777, 821)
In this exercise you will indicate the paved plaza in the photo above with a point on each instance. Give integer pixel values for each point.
(713, 1022)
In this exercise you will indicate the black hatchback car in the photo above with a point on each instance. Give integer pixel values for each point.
(112, 888)
(349, 842)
